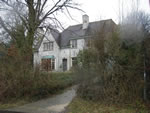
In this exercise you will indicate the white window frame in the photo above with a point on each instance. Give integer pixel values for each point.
(48, 46)
(52, 64)
(74, 43)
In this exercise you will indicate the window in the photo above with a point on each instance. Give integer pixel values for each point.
(73, 43)
(48, 64)
(53, 64)
(48, 46)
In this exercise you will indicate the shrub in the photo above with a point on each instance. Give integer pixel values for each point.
(19, 80)
(112, 73)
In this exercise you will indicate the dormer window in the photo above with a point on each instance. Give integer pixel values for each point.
(74, 43)
(48, 46)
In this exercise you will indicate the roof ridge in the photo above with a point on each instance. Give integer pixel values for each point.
(64, 36)
(91, 22)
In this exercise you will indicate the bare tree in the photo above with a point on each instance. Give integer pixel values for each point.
(32, 14)
(126, 7)
(136, 26)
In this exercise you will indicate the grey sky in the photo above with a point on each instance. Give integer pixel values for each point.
(102, 9)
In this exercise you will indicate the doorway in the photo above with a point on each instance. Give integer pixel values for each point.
(64, 64)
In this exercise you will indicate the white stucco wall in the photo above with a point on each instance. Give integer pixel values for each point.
(69, 53)
(41, 53)
(58, 53)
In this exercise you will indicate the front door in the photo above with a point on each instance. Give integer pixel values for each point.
(64, 64)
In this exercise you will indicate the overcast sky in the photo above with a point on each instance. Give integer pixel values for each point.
(101, 9)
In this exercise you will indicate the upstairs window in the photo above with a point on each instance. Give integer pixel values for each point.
(48, 46)
(73, 43)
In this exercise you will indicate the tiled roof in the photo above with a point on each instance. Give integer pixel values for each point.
(76, 32)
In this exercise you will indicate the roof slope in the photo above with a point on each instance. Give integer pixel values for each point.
(76, 31)
(55, 33)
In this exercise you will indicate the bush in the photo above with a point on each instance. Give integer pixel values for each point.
(111, 74)
(19, 80)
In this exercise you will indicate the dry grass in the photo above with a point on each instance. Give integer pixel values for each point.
(14, 103)
(58, 82)
(79, 105)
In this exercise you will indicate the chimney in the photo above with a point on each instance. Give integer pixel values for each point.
(85, 19)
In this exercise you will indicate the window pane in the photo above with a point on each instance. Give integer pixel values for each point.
(74, 43)
(45, 46)
(48, 64)
(48, 46)
(53, 64)
(51, 46)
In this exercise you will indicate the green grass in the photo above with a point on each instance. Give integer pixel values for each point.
(63, 79)
(14, 103)
(57, 83)
(79, 105)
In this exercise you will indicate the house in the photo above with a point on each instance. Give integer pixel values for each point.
(57, 51)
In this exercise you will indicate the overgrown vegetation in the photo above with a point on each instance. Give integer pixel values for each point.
(111, 70)
(79, 105)
(33, 88)
(20, 22)
(21, 19)
(113, 73)
(19, 80)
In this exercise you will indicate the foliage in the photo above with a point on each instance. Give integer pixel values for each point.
(21, 20)
(79, 105)
(112, 73)
(19, 80)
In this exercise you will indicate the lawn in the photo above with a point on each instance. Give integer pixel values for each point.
(79, 105)
(57, 83)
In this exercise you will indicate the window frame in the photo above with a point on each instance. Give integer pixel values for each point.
(52, 64)
(74, 43)
(46, 66)
(48, 46)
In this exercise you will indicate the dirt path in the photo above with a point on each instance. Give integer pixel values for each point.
(55, 104)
